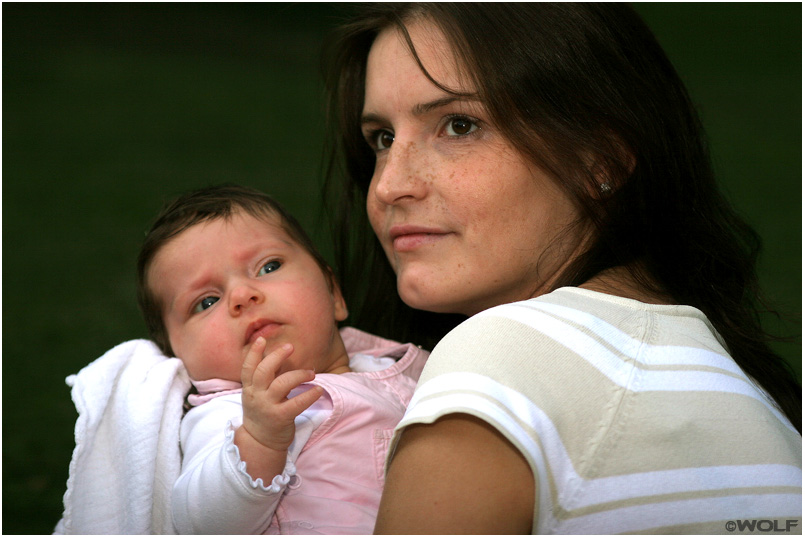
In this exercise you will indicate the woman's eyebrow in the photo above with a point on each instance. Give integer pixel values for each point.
(424, 108)
(371, 118)
(419, 109)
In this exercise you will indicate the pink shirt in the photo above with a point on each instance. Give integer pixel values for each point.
(333, 481)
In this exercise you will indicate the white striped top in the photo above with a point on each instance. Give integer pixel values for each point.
(632, 416)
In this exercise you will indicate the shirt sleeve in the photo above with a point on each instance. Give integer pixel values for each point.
(214, 493)
(477, 369)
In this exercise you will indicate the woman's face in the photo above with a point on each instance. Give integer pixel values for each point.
(466, 222)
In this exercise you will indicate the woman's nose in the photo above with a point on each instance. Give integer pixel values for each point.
(398, 177)
(244, 296)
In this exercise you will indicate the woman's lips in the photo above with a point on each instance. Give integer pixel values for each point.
(262, 327)
(405, 238)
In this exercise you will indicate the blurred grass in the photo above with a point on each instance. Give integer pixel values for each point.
(111, 108)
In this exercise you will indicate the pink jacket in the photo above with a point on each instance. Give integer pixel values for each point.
(339, 473)
(340, 470)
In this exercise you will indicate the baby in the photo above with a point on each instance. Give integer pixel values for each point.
(290, 424)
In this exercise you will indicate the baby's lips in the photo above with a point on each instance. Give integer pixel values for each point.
(262, 327)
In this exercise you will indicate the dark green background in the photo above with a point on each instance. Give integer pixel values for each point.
(110, 108)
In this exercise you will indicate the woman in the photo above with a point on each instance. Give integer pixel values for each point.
(540, 169)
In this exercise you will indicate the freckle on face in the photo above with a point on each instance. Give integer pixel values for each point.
(501, 212)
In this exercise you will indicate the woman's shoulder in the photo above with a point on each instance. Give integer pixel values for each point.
(528, 343)
(548, 316)
(570, 310)
(539, 368)
(590, 334)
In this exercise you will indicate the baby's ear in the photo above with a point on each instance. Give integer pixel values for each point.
(339, 304)
(341, 311)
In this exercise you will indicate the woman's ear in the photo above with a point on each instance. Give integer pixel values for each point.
(610, 172)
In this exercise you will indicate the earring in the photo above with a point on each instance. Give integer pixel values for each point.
(605, 188)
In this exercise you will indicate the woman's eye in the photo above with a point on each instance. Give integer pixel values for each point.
(461, 126)
(205, 303)
(270, 267)
(382, 139)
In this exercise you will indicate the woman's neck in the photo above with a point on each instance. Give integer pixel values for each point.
(621, 282)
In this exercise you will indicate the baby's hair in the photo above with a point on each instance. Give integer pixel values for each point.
(202, 205)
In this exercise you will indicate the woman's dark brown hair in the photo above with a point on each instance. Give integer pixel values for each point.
(565, 82)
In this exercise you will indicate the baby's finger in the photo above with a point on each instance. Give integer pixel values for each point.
(296, 405)
(285, 383)
(270, 365)
(252, 360)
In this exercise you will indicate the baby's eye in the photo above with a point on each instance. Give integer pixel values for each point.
(270, 267)
(460, 126)
(205, 303)
(381, 139)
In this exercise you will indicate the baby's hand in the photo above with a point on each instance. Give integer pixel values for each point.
(268, 414)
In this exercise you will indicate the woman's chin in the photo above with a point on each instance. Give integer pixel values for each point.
(430, 300)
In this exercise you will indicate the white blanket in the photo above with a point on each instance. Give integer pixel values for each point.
(127, 455)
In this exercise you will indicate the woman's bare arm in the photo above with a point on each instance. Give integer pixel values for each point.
(456, 476)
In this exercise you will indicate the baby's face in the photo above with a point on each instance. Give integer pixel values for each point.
(223, 283)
